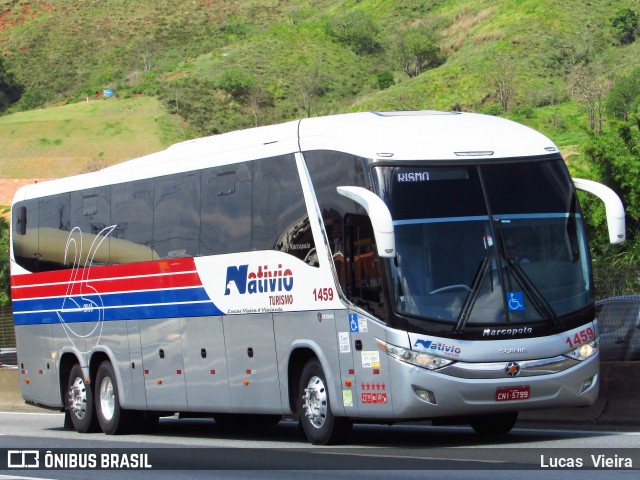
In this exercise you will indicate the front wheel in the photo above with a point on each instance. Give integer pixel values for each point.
(318, 422)
(497, 424)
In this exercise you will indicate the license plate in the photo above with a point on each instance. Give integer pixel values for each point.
(513, 393)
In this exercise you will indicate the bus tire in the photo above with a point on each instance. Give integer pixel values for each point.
(496, 424)
(79, 402)
(318, 422)
(112, 418)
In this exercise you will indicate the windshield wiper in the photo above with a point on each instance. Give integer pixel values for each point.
(542, 306)
(470, 301)
(539, 302)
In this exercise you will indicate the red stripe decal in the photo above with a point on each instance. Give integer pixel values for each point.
(117, 278)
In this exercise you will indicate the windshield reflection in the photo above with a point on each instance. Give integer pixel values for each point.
(494, 260)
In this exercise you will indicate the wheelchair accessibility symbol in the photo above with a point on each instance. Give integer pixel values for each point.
(515, 301)
(353, 322)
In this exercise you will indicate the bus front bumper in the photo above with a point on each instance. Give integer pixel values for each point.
(419, 394)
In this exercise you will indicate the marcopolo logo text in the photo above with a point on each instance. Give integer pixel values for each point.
(499, 332)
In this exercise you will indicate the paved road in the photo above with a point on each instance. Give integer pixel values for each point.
(201, 449)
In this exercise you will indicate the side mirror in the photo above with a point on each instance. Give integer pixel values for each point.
(380, 216)
(613, 206)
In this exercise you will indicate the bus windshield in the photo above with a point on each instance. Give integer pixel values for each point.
(487, 244)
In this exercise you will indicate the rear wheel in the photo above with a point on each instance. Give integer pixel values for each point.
(79, 402)
(497, 424)
(112, 418)
(318, 422)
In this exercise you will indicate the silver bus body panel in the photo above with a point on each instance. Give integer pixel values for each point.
(136, 396)
(251, 360)
(163, 361)
(205, 364)
(37, 359)
(313, 331)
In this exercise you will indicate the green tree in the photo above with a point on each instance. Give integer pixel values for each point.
(624, 97)
(10, 89)
(417, 51)
(357, 30)
(615, 159)
(235, 82)
(385, 79)
(625, 25)
(5, 280)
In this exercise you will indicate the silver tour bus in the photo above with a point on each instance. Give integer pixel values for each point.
(374, 267)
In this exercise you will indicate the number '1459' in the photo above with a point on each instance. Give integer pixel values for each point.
(323, 294)
(582, 336)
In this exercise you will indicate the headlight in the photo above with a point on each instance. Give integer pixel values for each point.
(584, 351)
(419, 359)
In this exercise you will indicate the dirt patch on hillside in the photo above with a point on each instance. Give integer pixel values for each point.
(9, 186)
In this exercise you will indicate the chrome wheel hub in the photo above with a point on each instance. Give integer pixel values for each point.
(315, 402)
(78, 398)
(107, 399)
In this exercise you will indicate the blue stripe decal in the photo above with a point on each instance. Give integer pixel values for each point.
(119, 299)
(190, 302)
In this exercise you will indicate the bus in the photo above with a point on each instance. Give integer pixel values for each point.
(365, 267)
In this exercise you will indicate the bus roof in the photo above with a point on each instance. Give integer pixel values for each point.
(387, 136)
(423, 135)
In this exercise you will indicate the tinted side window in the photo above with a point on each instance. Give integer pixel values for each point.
(364, 282)
(177, 215)
(25, 245)
(226, 209)
(91, 214)
(53, 232)
(132, 215)
(280, 220)
(329, 170)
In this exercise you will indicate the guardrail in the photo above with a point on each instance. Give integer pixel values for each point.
(8, 357)
(7, 332)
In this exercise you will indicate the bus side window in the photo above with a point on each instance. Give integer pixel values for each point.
(364, 276)
(280, 220)
(132, 213)
(225, 209)
(328, 170)
(25, 237)
(53, 232)
(91, 213)
(176, 224)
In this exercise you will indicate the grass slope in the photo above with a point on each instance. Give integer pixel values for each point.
(62, 141)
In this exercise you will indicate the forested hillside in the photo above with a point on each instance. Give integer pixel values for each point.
(570, 69)
(224, 65)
